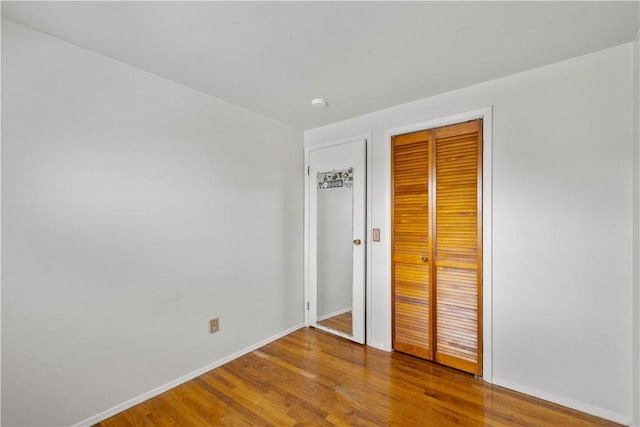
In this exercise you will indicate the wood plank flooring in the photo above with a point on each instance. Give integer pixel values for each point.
(342, 322)
(310, 378)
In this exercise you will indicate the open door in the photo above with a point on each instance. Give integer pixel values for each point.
(337, 233)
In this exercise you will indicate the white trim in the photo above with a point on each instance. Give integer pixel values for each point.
(487, 220)
(335, 313)
(635, 284)
(569, 403)
(183, 379)
(305, 245)
(368, 278)
(1, 285)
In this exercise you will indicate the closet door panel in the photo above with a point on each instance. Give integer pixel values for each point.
(457, 239)
(457, 321)
(411, 273)
(412, 309)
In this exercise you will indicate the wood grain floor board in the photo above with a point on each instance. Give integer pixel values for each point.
(342, 322)
(310, 378)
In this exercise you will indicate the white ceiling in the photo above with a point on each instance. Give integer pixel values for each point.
(274, 57)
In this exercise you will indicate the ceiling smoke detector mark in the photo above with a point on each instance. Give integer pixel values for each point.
(319, 103)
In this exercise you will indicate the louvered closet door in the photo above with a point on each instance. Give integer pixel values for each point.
(457, 245)
(411, 244)
(436, 245)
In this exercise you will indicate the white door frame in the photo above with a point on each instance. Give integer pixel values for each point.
(487, 219)
(308, 311)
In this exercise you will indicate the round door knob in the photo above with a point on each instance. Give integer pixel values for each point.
(357, 242)
(425, 259)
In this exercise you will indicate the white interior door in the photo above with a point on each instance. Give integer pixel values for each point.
(337, 233)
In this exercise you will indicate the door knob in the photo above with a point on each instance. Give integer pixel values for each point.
(424, 259)
(357, 242)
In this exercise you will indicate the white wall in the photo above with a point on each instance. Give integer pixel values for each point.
(562, 225)
(133, 211)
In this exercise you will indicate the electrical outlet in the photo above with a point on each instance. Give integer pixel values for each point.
(214, 325)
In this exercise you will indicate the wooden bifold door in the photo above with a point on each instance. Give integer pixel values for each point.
(437, 245)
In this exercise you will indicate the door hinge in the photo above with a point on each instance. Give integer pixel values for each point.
(307, 305)
(308, 169)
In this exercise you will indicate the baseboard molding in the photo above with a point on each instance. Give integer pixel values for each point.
(171, 384)
(335, 313)
(569, 403)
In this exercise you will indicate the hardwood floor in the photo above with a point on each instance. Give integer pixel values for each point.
(342, 322)
(310, 378)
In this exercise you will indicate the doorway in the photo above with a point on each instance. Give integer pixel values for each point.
(337, 239)
(436, 244)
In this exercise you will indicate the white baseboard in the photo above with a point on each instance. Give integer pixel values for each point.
(172, 384)
(335, 313)
(569, 403)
